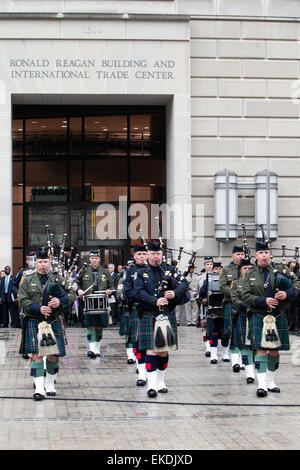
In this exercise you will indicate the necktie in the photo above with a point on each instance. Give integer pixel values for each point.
(6, 283)
(95, 279)
(267, 283)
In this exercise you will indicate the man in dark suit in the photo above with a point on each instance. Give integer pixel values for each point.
(115, 277)
(8, 296)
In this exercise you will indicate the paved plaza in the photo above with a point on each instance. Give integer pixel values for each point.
(99, 407)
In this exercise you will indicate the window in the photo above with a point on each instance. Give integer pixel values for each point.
(68, 160)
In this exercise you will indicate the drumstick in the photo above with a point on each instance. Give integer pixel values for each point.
(86, 290)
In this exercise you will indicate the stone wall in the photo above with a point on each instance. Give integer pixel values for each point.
(245, 115)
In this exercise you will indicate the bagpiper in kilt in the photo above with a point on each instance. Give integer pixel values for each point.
(268, 292)
(157, 307)
(129, 295)
(240, 323)
(229, 274)
(94, 278)
(42, 308)
(214, 324)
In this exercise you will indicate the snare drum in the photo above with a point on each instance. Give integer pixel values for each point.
(96, 304)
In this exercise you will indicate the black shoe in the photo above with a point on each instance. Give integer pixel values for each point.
(51, 394)
(25, 356)
(38, 397)
(163, 390)
(250, 380)
(140, 383)
(91, 354)
(274, 390)
(130, 361)
(261, 392)
(214, 361)
(152, 393)
(236, 368)
(207, 354)
(226, 360)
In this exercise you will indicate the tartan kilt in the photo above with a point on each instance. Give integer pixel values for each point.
(146, 329)
(95, 321)
(229, 311)
(256, 326)
(238, 335)
(129, 325)
(133, 332)
(124, 323)
(215, 325)
(31, 341)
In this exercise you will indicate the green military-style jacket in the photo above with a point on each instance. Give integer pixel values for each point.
(237, 295)
(254, 290)
(30, 295)
(105, 280)
(229, 274)
(119, 291)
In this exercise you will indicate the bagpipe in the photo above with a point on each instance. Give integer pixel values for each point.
(46, 338)
(284, 277)
(166, 280)
(79, 274)
(53, 289)
(62, 255)
(52, 249)
(172, 275)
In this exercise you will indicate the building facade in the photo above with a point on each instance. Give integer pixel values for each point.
(113, 110)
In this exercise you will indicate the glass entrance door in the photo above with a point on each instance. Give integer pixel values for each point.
(116, 255)
(113, 255)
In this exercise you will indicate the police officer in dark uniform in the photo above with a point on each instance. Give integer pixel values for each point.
(215, 323)
(153, 301)
(129, 297)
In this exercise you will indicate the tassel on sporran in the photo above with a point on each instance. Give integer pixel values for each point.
(164, 338)
(46, 340)
(270, 337)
